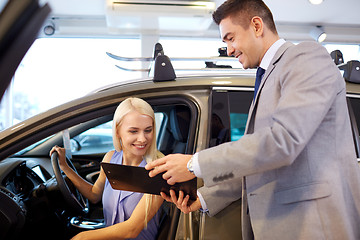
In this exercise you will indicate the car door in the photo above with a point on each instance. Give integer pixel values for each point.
(176, 119)
(229, 111)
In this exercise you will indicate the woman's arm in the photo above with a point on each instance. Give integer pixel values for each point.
(91, 192)
(127, 229)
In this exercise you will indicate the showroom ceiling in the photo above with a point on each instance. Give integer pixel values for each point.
(295, 18)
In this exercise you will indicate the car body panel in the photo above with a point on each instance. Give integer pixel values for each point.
(108, 97)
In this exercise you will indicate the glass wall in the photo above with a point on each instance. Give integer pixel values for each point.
(58, 70)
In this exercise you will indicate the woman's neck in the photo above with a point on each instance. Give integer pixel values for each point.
(131, 159)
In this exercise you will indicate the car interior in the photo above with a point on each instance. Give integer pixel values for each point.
(31, 204)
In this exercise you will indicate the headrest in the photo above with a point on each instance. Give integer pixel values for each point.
(352, 71)
(179, 122)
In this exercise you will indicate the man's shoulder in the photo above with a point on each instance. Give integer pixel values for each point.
(309, 46)
(305, 53)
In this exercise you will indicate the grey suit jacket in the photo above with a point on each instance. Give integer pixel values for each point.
(297, 164)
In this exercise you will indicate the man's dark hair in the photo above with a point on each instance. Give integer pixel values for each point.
(242, 11)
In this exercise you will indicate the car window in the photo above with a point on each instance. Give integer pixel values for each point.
(355, 103)
(239, 107)
(98, 139)
(94, 140)
(229, 115)
(237, 125)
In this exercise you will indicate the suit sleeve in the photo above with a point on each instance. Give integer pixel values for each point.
(308, 84)
(220, 196)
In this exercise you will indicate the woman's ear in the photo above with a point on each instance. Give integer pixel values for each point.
(117, 134)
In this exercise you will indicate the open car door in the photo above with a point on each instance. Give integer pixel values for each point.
(20, 22)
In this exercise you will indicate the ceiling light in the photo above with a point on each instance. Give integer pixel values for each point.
(316, 2)
(318, 33)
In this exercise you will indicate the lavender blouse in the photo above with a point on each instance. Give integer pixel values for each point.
(118, 205)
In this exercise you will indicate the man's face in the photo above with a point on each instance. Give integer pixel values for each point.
(241, 43)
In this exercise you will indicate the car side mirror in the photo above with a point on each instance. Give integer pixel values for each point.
(75, 145)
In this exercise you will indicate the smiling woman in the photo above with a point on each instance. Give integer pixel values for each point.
(134, 140)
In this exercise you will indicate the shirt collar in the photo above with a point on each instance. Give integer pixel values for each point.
(270, 53)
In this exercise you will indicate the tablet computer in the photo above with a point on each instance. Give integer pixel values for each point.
(137, 179)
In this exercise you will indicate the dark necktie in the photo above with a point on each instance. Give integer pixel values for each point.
(259, 74)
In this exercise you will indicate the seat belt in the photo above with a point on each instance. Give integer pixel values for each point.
(66, 141)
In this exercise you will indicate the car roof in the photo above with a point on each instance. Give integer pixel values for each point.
(112, 93)
(241, 78)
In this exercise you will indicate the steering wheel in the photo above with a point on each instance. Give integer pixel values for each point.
(72, 196)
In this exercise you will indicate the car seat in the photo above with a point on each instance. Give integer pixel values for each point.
(180, 123)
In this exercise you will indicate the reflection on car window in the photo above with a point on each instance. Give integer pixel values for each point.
(229, 115)
(239, 106)
(94, 140)
(238, 124)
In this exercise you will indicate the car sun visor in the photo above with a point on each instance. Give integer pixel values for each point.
(136, 179)
(20, 22)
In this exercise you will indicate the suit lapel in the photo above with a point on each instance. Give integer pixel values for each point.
(274, 61)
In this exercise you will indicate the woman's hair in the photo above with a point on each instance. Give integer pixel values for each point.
(242, 11)
(142, 107)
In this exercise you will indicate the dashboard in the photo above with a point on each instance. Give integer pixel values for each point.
(19, 179)
(20, 176)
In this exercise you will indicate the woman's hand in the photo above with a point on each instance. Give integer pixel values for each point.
(181, 202)
(62, 156)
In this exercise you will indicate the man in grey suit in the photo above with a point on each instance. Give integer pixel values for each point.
(295, 169)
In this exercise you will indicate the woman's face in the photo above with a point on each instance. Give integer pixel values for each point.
(136, 133)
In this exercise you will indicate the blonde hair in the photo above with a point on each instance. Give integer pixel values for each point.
(144, 108)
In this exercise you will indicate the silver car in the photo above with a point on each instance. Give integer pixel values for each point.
(192, 114)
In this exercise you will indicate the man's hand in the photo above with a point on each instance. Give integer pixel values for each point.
(174, 166)
(181, 202)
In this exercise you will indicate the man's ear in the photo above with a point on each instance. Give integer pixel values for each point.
(258, 26)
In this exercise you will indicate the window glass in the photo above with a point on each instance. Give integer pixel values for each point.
(94, 140)
(355, 104)
(238, 124)
(350, 52)
(196, 47)
(58, 70)
(239, 107)
(229, 112)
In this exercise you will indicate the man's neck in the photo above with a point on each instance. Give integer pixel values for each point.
(268, 42)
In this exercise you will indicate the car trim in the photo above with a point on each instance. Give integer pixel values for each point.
(233, 88)
(352, 95)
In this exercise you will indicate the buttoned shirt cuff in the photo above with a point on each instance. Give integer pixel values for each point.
(195, 165)
(203, 203)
